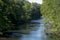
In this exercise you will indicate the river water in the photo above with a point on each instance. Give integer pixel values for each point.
(37, 34)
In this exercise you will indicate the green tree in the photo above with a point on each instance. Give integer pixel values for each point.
(5, 23)
(51, 12)
(13, 13)
(36, 14)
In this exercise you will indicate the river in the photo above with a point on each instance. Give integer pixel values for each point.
(37, 34)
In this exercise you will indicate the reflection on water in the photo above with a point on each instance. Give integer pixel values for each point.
(33, 31)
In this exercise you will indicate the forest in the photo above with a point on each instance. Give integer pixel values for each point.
(14, 13)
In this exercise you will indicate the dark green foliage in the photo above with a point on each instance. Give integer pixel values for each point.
(16, 12)
(35, 14)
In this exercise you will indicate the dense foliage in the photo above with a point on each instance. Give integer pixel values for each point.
(16, 12)
(51, 12)
(35, 11)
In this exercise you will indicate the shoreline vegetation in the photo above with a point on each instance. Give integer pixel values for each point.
(50, 10)
(14, 13)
